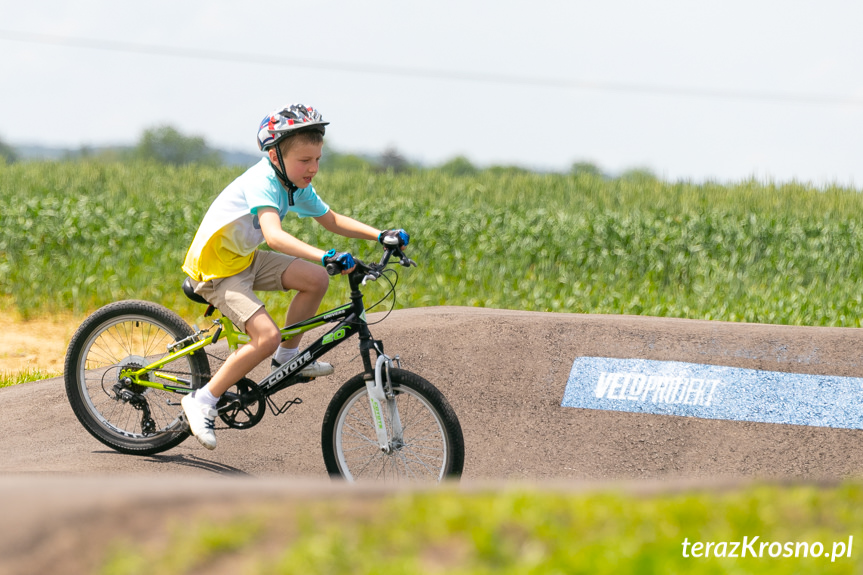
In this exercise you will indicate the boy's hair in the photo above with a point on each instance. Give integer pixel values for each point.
(307, 136)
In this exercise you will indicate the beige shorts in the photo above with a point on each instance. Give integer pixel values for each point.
(235, 297)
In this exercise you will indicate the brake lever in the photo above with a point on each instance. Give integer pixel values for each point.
(368, 277)
(376, 270)
(403, 259)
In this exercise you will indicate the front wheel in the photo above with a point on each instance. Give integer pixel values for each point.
(430, 446)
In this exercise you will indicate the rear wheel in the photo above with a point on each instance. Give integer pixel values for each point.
(430, 447)
(130, 418)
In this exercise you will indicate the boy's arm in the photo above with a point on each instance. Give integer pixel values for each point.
(281, 241)
(348, 227)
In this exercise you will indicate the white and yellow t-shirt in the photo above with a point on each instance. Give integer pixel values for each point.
(227, 238)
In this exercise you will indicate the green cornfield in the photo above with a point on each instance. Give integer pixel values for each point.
(75, 236)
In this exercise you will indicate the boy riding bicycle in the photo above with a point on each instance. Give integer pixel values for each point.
(226, 267)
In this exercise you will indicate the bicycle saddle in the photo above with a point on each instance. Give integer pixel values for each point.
(190, 292)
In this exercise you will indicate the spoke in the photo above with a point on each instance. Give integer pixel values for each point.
(129, 332)
(114, 333)
(153, 343)
(123, 336)
(427, 447)
(419, 458)
(365, 466)
(360, 435)
(157, 405)
(408, 470)
(432, 436)
(149, 339)
(102, 345)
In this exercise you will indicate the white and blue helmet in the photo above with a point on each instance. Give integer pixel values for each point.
(286, 121)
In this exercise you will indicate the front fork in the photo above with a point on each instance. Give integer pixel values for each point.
(381, 397)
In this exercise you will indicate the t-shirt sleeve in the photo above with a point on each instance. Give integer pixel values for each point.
(307, 203)
(262, 198)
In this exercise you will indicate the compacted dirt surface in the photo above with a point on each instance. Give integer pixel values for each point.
(504, 372)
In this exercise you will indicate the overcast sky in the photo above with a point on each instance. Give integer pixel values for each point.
(703, 90)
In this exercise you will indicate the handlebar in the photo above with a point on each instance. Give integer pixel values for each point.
(372, 271)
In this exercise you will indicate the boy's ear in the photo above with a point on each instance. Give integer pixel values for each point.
(274, 158)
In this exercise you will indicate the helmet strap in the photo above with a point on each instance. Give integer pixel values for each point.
(281, 172)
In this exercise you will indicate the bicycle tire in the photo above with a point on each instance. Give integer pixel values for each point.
(432, 446)
(129, 333)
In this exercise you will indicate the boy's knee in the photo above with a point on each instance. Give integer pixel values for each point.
(319, 282)
(324, 280)
(270, 342)
(306, 278)
(267, 338)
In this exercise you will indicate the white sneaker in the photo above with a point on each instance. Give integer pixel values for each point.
(202, 420)
(314, 369)
(317, 369)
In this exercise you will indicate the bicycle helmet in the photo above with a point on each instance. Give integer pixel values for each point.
(286, 122)
(283, 123)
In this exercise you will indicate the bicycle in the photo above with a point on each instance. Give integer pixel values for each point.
(128, 360)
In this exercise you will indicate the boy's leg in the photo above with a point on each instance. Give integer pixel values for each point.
(200, 406)
(235, 297)
(310, 281)
(265, 337)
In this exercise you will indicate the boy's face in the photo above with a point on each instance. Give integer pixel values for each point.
(301, 162)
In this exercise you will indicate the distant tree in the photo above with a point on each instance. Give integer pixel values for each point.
(333, 161)
(391, 159)
(109, 154)
(85, 152)
(586, 168)
(638, 175)
(7, 152)
(507, 170)
(166, 145)
(458, 166)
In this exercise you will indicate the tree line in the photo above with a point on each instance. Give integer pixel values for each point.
(167, 145)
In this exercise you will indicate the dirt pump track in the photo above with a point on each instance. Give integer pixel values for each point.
(504, 372)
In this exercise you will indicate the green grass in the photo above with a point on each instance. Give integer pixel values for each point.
(517, 531)
(79, 235)
(9, 378)
(189, 547)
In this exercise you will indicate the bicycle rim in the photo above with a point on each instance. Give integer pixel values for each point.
(422, 454)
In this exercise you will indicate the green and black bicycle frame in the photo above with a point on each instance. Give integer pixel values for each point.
(350, 319)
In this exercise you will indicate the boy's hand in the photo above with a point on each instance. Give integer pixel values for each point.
(394, 237)
(338, 262)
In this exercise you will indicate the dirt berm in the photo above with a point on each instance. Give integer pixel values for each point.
(504, 372)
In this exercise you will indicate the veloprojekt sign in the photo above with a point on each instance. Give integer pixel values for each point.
(714, 392)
